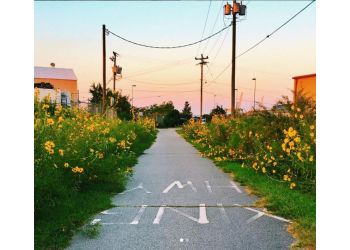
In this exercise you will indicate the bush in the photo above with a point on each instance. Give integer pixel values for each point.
(281, 145)
(79, 154)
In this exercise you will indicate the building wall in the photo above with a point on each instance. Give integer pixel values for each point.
(63, 85)
(306, 84)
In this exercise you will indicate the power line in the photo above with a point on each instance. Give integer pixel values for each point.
(168, 47)
(268, 36)
(212, 29)
(273, 32)
(205, 25)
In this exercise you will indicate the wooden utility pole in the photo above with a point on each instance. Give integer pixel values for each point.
(201, 63)
(233, 72)
(104, 68)
(114, 59)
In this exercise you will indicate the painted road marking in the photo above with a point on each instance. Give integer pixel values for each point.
(208, 186)
(223, 213)
(269, 215)
(255, 217)
(138, 216)
(95, 221)
(201, 220)
(140, 186)
(179, 185)
(235, 187)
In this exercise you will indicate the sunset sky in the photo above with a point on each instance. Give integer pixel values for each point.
(69, 34)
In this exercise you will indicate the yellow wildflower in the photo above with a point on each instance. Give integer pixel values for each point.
(285, 177)
(60, 119)
(292, 185)
(50, 121)
(312, 127)
(66, 165)
(312, 134)
(311, 158)
(263, 170)
(274, 164)
(301, 116)
(300, 157)
(61, 152)
(297, 139)
(298, 109)
(274, 171)
(292, 107)
(45, 106)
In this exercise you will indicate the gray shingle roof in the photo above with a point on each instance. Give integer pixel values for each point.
(54, 73)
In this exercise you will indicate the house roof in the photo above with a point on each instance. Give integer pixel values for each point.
(304, 76)
(54, 73)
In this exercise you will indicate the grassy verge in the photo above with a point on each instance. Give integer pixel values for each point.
(56, 228)
(279, 199)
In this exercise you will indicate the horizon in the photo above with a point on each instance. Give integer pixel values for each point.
(172, 74)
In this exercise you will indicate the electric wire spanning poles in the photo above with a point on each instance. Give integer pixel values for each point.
(201, 63)
(228, 10)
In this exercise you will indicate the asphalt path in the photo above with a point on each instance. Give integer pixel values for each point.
(177, 199)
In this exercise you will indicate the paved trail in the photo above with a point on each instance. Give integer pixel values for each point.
(179, 200)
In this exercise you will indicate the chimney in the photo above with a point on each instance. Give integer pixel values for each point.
(52, 65)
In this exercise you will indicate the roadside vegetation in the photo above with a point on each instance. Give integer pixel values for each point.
(273, 152)
(80, 161)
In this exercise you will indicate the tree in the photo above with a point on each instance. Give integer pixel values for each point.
(186, 111)
(172, 119)
(218, 110)
(96, 92)
(121, 103)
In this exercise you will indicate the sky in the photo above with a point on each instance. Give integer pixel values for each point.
(70, 35)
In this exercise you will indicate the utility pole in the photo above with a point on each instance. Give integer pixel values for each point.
(132, 101)
(104, 68)
(233, 69)
(115, 69)
(234, 10)
(254, 79)
(201, 63)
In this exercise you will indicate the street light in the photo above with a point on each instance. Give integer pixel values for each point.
(254, 79)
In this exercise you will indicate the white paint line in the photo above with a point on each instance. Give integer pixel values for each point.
(138, 216)
(179, 185)
(255, 217)
(159, 214)
(202, 214)
(201, 220)
(185, 215)
(140, 186)
(95, 221)
(106, 212)
(278, 218)
(269, 215)
(208, 186)
(223, 213)
(235, 187)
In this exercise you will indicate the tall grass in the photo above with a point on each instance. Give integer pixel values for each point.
(80, 160)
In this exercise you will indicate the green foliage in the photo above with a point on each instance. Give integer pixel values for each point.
(172, 119)
(186, 113)
(280, 143)
(80, 160)
(115, 100)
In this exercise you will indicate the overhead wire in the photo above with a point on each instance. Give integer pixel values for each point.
(212, 29)
(168, 47)
(267, 36)
(205, 25)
